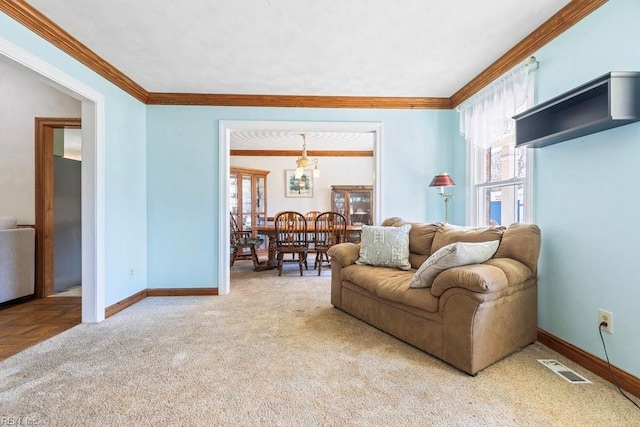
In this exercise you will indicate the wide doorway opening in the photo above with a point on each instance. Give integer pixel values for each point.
(281, 130)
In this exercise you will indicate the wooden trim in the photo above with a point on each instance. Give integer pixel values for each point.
(296, 153)
(44, 214)
(181, 292)
(588, 361)
(298, 101)
(127, 302)
(31, 18)
(159, 292)
(248, 171)
(564, 19)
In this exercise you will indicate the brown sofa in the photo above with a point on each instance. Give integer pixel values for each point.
(472, 315)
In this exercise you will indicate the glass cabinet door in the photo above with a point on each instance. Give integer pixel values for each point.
(360, 207)
(261, 213)
(248, 200)
(339, 202)
(355, 202)
(247, 220)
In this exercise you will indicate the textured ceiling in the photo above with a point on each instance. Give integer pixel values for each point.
(301, 47)
(281, 140)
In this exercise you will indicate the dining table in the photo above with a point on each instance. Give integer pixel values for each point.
(269, 230)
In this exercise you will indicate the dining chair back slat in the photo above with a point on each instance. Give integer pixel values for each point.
(291, 237)
(330, 229)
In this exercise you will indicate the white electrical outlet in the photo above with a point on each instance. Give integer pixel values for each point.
(131, 272)
(606, 316)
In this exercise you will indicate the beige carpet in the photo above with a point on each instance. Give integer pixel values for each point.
(275, 352)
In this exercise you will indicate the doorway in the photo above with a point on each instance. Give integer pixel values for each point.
(226, 127)
(45, 194)
(93, 186)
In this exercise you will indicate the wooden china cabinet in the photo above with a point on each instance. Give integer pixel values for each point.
(248, 204)
(355, 202)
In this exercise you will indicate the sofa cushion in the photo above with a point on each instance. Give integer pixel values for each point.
(452, 255)
(521, 242)
(421, 238)
(394, 221)
(8, 223)
(385, 246)
(369, 278)
(448, 234)
(397, 289)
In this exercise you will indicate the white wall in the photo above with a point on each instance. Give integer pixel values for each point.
(333, 171)
(22, 100)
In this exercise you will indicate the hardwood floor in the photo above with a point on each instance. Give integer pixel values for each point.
(26, 324)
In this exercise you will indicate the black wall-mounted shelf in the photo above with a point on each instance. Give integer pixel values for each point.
(606, 102)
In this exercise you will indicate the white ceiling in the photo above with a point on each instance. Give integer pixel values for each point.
(301, 47)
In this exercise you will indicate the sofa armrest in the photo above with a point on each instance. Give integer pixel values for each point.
(494, 275)
(344, 253)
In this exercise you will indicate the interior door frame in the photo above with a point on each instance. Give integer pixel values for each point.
(93, 170)
(226, 127)
(44, 202)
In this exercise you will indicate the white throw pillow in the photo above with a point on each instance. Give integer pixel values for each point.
(8, 223)
(385, 246)
(452, 255)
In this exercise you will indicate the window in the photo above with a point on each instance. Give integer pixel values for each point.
(500, 184)
(499, 173)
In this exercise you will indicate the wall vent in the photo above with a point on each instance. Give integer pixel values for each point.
(568, 374)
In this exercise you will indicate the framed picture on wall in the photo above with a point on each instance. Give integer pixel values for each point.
(298, 187)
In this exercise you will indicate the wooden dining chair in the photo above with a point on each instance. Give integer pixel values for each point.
(311, 216)
(291, 237)
(330, 229)
(242, 239)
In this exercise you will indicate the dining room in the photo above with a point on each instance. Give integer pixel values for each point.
(303, 171)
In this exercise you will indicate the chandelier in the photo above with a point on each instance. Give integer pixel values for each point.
(304, 161)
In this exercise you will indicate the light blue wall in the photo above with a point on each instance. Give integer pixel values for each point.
(182, 168)
(125, 159)
(461, 193)
(586, 196)
(167, 159)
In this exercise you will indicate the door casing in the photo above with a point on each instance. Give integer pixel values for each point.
(44, 280)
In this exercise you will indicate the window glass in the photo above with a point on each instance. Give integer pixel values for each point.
(500, 184)
(498, 175)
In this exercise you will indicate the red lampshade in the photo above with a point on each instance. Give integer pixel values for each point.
(442, 180)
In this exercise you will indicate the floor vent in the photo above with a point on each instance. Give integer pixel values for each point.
(566, 373)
